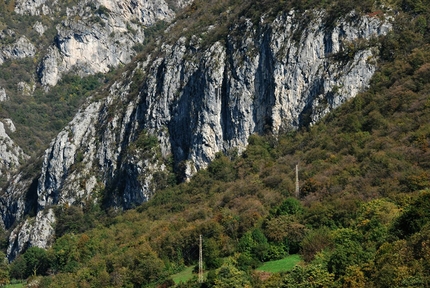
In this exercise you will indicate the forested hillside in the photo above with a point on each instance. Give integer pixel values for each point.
(203, 84)
(361, 219)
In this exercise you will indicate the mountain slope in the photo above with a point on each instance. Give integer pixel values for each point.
(362, 216)
(375, 145)
(191, 98)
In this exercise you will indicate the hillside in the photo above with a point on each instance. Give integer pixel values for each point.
(361, 218)
(202, 86)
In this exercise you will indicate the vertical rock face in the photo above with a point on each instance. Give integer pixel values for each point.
(99, 35)
(79, 134)
(3, 95)
(10, 154)
(188, 101)
(22, 48)
(40, 233)
(94, 36)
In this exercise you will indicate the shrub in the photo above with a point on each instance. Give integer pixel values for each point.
(315, 241)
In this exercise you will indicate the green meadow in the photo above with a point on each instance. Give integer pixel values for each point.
(281, 265)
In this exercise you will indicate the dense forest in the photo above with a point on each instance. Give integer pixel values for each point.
(361, 218)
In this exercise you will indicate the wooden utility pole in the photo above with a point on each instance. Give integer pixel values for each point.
(200, 260)
(297, 181)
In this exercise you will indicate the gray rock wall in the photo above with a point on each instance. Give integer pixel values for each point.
(99, 35)
(11, 155)
(94, 36)
(22, 48)
(3, 95)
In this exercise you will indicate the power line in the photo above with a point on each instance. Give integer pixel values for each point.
(200, 260)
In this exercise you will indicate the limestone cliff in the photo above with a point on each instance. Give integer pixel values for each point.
(99, 35)
(189, 100)
(87, 37)
(11, 155)
(94, 35)
(3, 95)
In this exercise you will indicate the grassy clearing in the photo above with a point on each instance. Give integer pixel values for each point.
(184, 275)
(280, 265)
(15, 285)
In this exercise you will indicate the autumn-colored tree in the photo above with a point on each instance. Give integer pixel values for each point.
(316, 241)
(353, 278)
(4, 270)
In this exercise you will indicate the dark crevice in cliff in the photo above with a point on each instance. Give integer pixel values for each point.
(226, 112)
(264, 86)
(316, 88)
(328, 42)
(31, 198)
(182, 125)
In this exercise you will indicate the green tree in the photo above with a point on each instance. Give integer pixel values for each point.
(354, 278)
(37, 261)
(222, 168)
(316, 241)
(261, 246)
(347, 254)
(285, 229)
(18, 268)
(229, 276)
(374, 219)
(414, 217)
(312, 275)
(290, 206)
(211, 254)
(144, 265)
(66, 254)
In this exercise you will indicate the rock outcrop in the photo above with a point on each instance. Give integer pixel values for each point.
(100, 35)
(3, 95)
(9, 124)
(33, 7)
(39, 233)
(190, 100)
(11, 155)
(22, 48)
(95, 35)
(39, 28)
(26, 89)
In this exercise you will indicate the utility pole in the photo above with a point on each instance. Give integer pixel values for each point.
(200, 260)
(297, 181)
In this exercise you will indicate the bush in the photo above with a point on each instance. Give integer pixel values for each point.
(221, 168)
(291, 206)
(316, 241)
